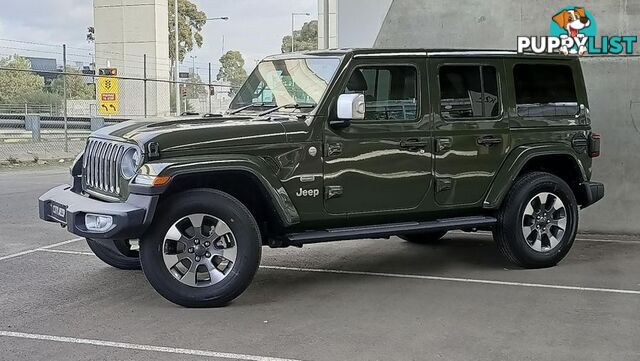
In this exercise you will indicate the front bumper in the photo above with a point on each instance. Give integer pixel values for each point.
(593, 192)
(130, 218)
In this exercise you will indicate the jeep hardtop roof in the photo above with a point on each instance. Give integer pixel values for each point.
(423, 52)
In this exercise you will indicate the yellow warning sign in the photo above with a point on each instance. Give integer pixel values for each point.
(108, 95)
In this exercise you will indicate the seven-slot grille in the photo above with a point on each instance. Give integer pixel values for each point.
(101, 165)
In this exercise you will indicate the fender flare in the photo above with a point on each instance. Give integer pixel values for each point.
(515, 162)
(254, 167)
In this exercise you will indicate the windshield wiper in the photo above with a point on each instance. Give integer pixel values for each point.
(292, 105)
(252, 105)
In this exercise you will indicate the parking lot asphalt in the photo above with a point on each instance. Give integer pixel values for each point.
(352, 300)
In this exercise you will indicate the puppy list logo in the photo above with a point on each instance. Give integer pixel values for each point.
(574, 31)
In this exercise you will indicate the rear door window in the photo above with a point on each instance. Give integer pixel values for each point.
(544, 90)
(468, 92)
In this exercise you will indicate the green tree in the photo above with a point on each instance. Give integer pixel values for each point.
(91, 34)
(16, 85)
(305, 38)
(232, 68)
(77, 88)
(195, 87)
(40, 97)
(190, 23)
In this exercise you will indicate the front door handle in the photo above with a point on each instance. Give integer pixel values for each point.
(489, 140)
(413, 143)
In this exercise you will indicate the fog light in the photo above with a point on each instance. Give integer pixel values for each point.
(98, 222)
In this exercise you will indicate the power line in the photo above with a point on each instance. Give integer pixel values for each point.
(89, 50)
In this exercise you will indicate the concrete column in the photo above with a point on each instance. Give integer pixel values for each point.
(125, 30)
(327, 11)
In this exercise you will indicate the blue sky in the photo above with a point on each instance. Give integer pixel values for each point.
(255, 28)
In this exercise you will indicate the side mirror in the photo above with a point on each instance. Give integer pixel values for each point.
(350, 107)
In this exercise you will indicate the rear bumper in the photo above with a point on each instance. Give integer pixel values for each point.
(130, 218)
(593, 192)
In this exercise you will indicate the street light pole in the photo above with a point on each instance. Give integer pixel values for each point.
(193, 58)
(293, 16)
(223, 18)
(176, 58)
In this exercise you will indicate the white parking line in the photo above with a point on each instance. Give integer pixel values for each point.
(66, 252)
(418, 277)
(133, 346)
(40, 249)
(621, 241)
(580, 239)
(454, 279)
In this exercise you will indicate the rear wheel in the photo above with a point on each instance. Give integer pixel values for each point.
(202, 250)
(116, 253)
(424, 238)
(538, 221)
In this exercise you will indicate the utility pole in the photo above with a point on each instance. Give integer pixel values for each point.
(176, 57)
(293, 17)
(327, 28)
(210, 88)
(145, 84)
(193, 58)
(64, 96)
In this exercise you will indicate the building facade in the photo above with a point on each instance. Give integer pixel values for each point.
(126, 31)
(613, 81)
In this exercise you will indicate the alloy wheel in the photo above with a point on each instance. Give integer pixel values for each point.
(544, 222)
(199, 250)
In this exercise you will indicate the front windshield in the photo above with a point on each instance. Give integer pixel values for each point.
(296, 83)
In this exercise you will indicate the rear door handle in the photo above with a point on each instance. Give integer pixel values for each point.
(489, 140)
(413, 143)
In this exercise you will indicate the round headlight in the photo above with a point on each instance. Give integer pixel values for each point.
(130, 163)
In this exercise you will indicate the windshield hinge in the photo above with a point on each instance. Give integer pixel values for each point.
(153, 150)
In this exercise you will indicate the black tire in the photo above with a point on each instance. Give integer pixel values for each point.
(245, 232)
(118, 254)
(424, 238)
(509, 233)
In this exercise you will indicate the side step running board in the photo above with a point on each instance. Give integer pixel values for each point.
(386, 230)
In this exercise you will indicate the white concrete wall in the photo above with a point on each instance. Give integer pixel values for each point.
(613, 83)
(359, 21)
(352, 23)
(126, 30)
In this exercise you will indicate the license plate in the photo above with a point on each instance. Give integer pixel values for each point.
(59, 212)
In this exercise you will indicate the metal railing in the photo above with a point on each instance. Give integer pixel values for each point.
(30, 108)
(64, 124)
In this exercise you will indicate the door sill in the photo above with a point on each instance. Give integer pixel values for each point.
(387, 230)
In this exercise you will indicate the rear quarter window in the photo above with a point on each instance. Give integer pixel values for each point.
(544, 90)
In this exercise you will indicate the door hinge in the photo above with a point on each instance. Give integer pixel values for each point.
(443, 144)
(443, 184)
(333, 192)
(334, 149)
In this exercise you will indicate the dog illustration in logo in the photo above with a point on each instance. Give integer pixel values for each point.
(572, 20)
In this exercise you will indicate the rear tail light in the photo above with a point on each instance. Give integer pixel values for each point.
(594, 145)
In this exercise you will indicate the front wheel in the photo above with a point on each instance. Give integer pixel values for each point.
(202, 250)
(538, 221)
(116, 253)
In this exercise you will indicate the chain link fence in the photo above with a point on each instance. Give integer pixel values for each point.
(49, 113)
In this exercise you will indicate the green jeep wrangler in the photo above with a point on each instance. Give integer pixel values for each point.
(335, 145)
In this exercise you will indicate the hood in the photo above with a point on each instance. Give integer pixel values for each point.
(197, 134)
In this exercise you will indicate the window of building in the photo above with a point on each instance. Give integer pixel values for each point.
(469, 92)
(390, 91)
(545, 90)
